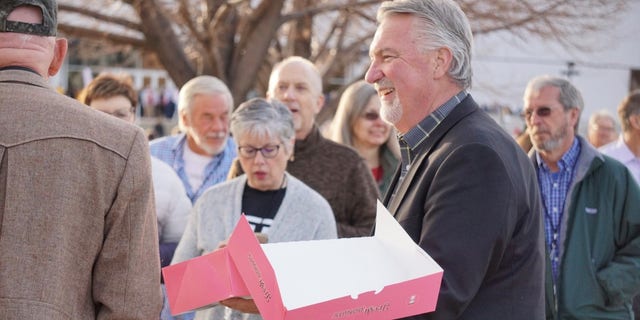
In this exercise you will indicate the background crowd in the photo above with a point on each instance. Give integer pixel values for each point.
(543, 226)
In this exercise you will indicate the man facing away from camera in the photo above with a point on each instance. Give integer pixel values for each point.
(78, 234)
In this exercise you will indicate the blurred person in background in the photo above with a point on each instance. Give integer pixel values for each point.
(115, 96)
(357, 123)
(627, 148)
(274, 202)
(591, 210)
(602, 129)
(202, 153)
(77, 221)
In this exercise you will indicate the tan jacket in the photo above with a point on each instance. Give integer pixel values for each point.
(78, 234)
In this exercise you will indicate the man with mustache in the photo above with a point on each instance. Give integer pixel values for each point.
(465, 192)
(202, 153)
(591, 210)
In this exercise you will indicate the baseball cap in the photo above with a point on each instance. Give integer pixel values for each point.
(48, 28)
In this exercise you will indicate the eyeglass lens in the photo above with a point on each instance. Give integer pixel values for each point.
(268, 151)
(540, 112)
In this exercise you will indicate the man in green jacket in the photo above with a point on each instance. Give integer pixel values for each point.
(591, 210)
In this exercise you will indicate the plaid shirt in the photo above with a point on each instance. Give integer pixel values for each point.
(554, 187)
(413, 139)
(171, 150)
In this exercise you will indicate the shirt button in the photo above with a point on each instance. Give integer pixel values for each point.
(555, 185)
(555, 209)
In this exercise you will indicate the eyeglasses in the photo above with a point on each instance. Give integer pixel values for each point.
(540, 112)
(268, 151)
(371, 116)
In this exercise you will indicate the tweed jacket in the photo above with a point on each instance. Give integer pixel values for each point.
(470, 199)
(78, 233)
(303, 215)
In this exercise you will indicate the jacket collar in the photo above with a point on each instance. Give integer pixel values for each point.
(23, 75)
(459, 112)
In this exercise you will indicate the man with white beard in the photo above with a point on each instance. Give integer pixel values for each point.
(202, 153)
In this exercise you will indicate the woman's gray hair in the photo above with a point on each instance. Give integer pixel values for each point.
(259, 117)
(201, 85)
(441, 23)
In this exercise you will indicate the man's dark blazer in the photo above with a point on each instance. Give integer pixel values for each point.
(471, 201)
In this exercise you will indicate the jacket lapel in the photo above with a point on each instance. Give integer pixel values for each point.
(463, 109)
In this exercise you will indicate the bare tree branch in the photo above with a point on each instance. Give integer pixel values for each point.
(102, 17)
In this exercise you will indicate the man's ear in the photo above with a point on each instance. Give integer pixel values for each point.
(574, 116)
(59, 52)
(634, 121)
(319, 103)
(184, 118)
(443, 58)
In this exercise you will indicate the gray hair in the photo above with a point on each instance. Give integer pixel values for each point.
(201, 85)
(602, 114)
(441, 23)
(263, 118)
(569, 97)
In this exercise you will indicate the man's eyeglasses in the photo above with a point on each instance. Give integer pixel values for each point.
(540, 112)
(268, 151)
(371, 115)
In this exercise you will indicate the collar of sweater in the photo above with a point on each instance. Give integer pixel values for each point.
(312, 139)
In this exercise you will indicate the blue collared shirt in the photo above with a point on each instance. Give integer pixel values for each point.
(554, 187)
(171, 150)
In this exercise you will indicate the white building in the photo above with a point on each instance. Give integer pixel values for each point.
(503, 65)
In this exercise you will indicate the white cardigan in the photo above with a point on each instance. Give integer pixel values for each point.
(303, 215)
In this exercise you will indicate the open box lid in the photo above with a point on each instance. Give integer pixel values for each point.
(381, 277)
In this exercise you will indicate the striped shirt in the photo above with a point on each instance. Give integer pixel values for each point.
(554, 187)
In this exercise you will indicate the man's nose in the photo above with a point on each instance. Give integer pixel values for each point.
(373, 73)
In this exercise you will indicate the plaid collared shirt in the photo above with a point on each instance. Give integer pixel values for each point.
(554, 187)
(411, 141)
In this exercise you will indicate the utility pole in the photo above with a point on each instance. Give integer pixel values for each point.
(570, 71)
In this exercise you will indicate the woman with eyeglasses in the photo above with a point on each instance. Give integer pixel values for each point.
(274, 202)
(357, 124)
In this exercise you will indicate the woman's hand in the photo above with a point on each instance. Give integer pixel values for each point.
(241, 304)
